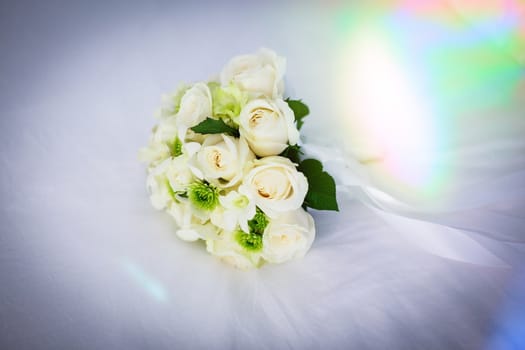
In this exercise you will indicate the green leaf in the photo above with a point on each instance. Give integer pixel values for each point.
(300, 110)
(292, 152)
(321, 186)
(215, 126)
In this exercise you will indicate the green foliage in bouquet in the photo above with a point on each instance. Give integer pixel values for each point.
(215, 126)
(321, 186)
(321, 193)
(300, 111)
(293, 152)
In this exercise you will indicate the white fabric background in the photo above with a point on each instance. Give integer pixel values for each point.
(86, 263)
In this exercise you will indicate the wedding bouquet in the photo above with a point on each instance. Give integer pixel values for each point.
(225, 162)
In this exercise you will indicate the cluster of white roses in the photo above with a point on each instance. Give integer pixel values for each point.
(215, 165)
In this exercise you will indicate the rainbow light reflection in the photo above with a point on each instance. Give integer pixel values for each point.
(150, 285)
(414, 72)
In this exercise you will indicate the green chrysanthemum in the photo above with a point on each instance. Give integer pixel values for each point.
(259, 222)
(250, 241)
(203, 195)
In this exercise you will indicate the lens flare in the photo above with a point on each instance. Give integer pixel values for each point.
(397, 122)
(416, 76)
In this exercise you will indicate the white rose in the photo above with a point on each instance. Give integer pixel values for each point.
(195, 106)
(259, 74)
(276, 185)
(289, 236)
(222, 160)
(229, 251)
(268, 126)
